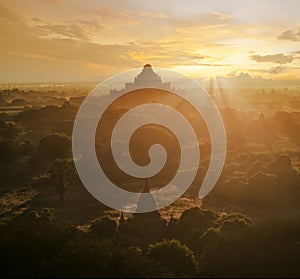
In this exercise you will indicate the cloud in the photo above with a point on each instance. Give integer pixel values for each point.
(277, 70)
(109, 36)
(164, 54)
(9, 15)
(127, 16)
(290, 35)
(37, 50)
(80, 29)
(278, 58)
(67, 31)
(201, 21)
(36, 20)
(221, 16)
(212, 65)
(243, 77)
(52, 1)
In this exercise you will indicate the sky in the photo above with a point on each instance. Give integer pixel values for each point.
(86, 41)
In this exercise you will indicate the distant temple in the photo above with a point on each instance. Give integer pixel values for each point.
(147, 78)
(146, 202)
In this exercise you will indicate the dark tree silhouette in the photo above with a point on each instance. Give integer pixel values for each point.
(54, 146)
(105, 226)
(177, 257)
(61, 172)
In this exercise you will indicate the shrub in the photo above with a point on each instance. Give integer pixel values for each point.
(177, 257)
(105, 226)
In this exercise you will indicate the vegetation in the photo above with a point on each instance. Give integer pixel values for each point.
(249, 225)
(62, 173)
(235, 246)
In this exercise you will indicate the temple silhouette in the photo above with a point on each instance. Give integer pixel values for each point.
(144, 202)
(147, 78)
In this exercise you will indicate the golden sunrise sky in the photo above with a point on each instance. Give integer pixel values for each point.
(65, 40)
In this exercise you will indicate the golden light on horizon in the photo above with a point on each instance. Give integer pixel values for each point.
(89, 40)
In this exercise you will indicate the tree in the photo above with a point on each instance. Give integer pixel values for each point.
(9, 141)
(61, 171)
(264, 188)
(238, 138)
(105, 226)
(54, 146)
(197, 220)
(257, 166)
(8, 151)
(177, 257)
(10, 130)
